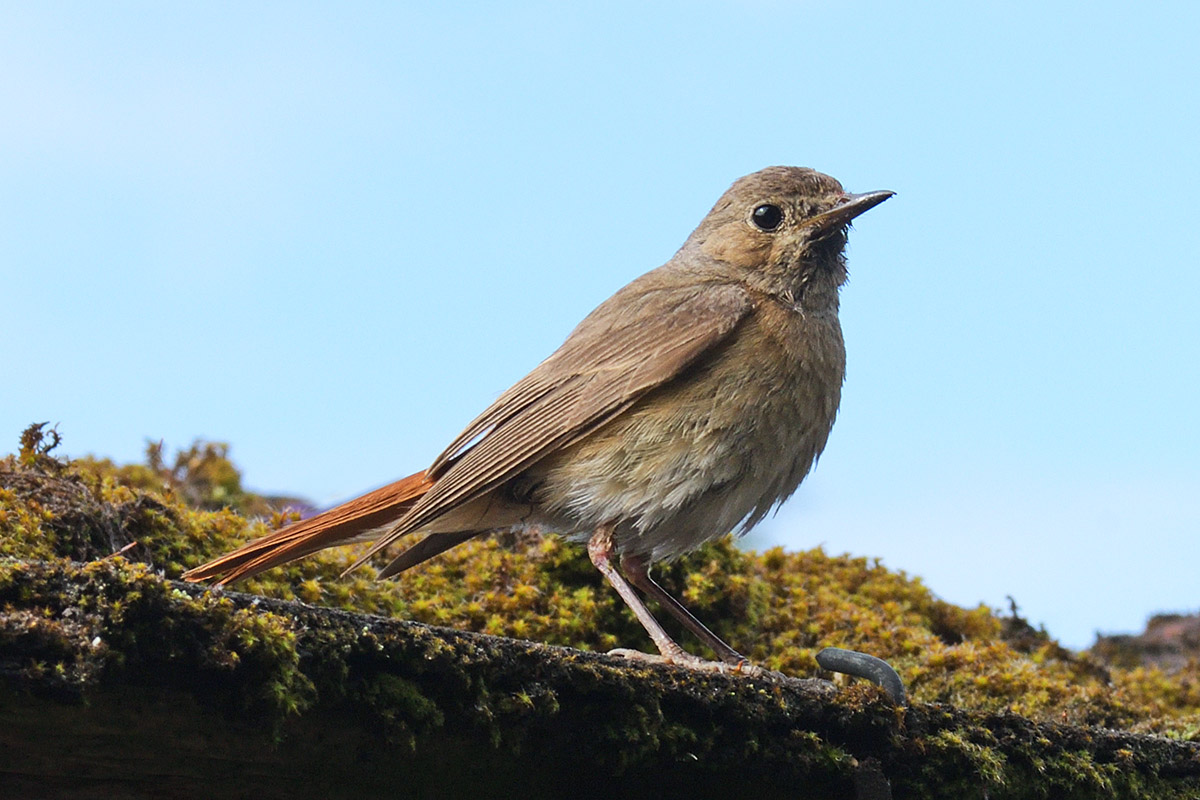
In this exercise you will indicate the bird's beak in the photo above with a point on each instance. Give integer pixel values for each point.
(851, 206)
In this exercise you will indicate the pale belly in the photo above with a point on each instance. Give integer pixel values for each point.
(699, 457)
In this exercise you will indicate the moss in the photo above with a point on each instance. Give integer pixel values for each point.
(780, 608)
(991, 694)
(81, 633)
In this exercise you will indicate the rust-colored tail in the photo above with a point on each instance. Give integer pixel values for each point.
(330, 528)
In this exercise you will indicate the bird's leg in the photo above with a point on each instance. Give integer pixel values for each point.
(600, 549)
(638, 573)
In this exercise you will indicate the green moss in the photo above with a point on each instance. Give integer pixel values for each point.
(779, 608)
(84, 632)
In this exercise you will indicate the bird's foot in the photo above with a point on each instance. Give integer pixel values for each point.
(686, 659)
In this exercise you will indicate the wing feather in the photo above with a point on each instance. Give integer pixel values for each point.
(640, 338)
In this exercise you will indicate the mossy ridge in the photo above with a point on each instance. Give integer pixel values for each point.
(272, 664)
(778, 607)
(543, 589)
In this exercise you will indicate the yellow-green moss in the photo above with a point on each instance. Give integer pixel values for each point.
(417, 696)
(779, 608)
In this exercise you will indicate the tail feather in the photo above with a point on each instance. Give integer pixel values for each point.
(432, 545)
(337, 526)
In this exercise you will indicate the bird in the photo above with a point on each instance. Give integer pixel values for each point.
(688, 405)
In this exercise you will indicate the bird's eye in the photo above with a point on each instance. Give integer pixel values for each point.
(767, 217)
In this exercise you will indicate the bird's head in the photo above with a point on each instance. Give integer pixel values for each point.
(782, 231)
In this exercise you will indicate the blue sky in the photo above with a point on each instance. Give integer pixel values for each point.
(331, 234)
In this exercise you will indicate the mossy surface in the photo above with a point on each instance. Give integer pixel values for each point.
(281, 672)
(999, 709)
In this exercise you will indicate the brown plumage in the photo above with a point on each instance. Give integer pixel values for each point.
(337, 526)
(690, 402)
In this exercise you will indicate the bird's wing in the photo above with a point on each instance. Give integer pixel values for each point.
(640, 338)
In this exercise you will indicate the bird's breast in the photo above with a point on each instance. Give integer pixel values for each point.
(718, 445)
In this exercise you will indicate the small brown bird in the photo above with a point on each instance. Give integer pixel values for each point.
(687, 405)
